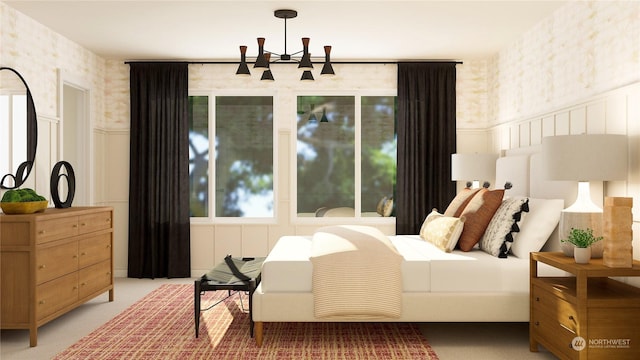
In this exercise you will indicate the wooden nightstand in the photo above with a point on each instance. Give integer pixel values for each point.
(588, 310)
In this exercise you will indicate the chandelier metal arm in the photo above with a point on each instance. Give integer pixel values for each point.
(304, 63)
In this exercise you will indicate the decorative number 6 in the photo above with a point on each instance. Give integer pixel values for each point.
(71, 184)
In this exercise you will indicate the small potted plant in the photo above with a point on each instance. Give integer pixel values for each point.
(582, 240)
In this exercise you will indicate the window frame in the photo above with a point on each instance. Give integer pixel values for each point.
(212, 96)
(357, 218)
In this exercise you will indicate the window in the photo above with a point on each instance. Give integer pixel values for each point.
(243, 156)
(345, 143)
(378, 154)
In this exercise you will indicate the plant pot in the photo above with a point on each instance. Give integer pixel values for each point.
(582, 255)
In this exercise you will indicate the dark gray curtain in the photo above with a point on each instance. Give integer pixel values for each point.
(159, 235)
(426, 139)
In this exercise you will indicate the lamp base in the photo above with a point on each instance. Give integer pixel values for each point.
(581, 220)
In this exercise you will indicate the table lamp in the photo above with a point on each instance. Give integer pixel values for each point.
(584, 158)
(473, 167)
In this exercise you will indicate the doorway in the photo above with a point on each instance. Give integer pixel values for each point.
(76, 145)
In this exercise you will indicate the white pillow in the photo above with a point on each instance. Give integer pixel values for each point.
(537, 226)
(442, 231)
(504, 227)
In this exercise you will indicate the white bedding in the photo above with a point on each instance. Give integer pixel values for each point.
(425, 268)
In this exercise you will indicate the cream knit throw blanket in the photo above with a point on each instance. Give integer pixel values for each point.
(356, 274)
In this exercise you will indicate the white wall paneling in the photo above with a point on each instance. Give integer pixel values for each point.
(596, 118)
(578, 121)
(525, 134)
(616, 111)
(535, 132)
(561, 123)
(633, 184)
(202, 249)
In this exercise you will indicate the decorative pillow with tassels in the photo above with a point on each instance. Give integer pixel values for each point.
(504, 228)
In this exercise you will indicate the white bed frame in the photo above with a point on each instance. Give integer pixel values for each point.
(522, 169)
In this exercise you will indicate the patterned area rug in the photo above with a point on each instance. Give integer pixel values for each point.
(161, 326)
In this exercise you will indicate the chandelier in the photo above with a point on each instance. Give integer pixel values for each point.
(263, 60)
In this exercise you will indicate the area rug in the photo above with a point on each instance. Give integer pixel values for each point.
(161, 326)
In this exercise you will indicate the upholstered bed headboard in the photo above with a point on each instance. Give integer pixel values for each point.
(523, 168)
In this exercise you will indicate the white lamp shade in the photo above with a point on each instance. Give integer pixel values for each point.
(465, 167)
(585, 157)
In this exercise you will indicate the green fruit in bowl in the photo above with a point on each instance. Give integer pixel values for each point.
(22, 195)
(22, 201)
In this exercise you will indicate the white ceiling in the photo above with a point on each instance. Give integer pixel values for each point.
(357, 30)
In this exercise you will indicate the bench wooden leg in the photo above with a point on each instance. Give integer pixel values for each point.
(257, 331)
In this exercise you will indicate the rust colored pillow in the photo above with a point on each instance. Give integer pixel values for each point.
(458, 203)
(478, 213)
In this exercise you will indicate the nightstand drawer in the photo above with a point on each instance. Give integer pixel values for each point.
(560, 311)
(547, 328)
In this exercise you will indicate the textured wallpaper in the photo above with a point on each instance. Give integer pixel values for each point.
(583, 49)
(39, 54)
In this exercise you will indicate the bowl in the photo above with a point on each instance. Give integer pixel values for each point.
(28, 207)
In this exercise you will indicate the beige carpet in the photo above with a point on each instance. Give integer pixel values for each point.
(161, 326)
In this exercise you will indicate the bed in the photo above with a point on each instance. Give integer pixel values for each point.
(436, 285)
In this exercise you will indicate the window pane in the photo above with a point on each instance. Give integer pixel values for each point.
(199, 155)
(244, 156)
(325, 152)
(378, 158)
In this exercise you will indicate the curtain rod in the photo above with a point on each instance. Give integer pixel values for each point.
(294, 62)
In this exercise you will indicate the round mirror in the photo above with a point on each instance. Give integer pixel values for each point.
(18, 114)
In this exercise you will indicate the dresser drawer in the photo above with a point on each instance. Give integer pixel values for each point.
(94, 222)
(55, 229)
(95, 278)
(55, 261)
(94, 249)
(56, 294)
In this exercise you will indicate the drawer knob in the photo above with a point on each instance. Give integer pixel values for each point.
(42, 266)
(537, 298)
(537, 323)
(74, 226)
(108, 220)
(42, 232)
(83, 253)
(75, 256)
(83, 284)
(83, 224)
(41, 302)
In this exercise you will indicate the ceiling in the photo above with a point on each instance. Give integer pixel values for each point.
(357, 30)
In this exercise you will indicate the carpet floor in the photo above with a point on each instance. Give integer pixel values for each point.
(161, 326)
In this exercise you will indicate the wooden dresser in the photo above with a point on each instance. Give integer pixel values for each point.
(52, 262)
(585, 316)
